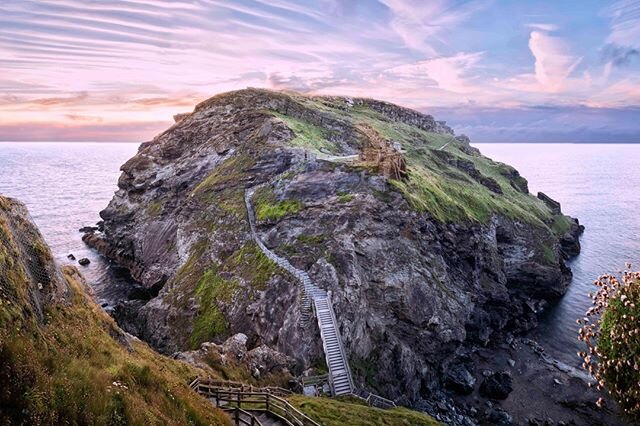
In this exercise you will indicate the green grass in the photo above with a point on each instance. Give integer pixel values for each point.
(74, 365)
(211, 322)
(154, 209)
(222, 187)
(312, 240)
(269, 208)
(308, 136)
(345, 198)
(243, 271)
(434, 184)
(332, 412)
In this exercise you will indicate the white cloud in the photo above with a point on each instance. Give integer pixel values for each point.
(448, 73)
(543, 27)
(554, 62)
(422, 24)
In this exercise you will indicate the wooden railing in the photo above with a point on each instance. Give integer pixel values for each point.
(229, 384)
(239, 416)
(253, 401)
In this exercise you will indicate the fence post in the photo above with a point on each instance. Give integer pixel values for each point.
(267, 403)
(238, 398)
(237, 415)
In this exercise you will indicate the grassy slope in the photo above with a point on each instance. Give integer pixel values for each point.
(75, 367)
(434, 185)
(332, 412)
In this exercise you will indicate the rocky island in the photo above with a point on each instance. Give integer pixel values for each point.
(432, 254)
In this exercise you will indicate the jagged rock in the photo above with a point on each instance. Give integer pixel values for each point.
(497, 386)
(460, 380)
(466, 145)
(500, 418)
(260, 361)
(553, 205)
(408, 290)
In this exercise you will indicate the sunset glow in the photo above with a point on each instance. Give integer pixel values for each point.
(118, 70)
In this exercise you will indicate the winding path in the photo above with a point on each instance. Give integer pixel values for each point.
(314, 298)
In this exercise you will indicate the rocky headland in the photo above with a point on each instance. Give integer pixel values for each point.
(433, 253)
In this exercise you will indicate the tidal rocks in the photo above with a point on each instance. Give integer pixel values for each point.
(497, 385)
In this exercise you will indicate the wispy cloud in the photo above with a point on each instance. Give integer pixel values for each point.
(423, 26)
(554, 61)
(92, 66)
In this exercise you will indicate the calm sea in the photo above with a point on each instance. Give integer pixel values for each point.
(65, 185)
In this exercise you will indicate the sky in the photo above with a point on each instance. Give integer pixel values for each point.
(496, 70)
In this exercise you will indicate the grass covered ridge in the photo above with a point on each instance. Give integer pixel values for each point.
(435, 184)
(75, 366)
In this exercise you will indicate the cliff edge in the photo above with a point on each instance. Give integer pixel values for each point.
(427, 247)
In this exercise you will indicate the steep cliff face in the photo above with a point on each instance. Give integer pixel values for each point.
(64, 361)
(426, 245)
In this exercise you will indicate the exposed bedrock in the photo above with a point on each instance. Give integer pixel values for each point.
(453, 255)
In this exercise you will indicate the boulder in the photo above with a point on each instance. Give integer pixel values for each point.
(497, 385)
(84, 261)
(460, 380)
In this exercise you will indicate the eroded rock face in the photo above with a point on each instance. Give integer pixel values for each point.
(411, 293)
(261, 362)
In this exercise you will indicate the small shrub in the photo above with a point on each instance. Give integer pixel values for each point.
(344, 197)
(611, 331)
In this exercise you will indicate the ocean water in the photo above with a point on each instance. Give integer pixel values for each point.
(65, 185)
(600, 185)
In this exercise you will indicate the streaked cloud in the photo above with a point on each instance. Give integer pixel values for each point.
(115, 69)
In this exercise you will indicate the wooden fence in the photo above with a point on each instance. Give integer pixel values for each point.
(263, 401)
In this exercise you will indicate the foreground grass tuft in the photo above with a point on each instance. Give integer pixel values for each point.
(333, 412)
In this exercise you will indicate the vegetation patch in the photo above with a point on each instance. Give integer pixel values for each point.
(332, 412)
(223, 186)
(253, 266)
(345, 197)
(155, 208)
(77, 367)
(308, 136)
(312, 240)
(611, 332)
(269, 208)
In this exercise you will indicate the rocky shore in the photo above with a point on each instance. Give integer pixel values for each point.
(436, 257)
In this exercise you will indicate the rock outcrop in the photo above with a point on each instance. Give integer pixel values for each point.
(451, 252)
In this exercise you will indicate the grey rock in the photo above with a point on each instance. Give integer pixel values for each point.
(408, 291)
(497, 386)
(460, 380)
